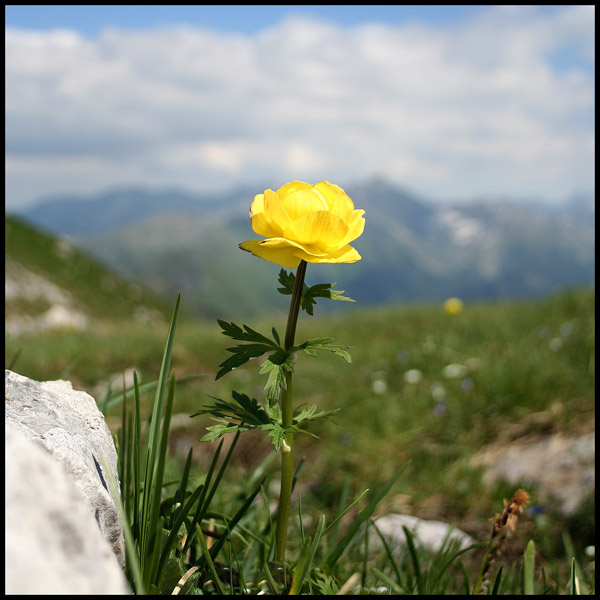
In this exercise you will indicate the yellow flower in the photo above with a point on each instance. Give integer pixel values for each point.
(453, 306)
(314, 223)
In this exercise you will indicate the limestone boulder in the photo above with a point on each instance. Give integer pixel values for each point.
(53, 544)
(69, 426)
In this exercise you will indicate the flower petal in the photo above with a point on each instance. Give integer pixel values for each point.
(356, 225)
(320, 228)
(279, 253)
(347, 254)
(260, 223)
(343, 206)
(293, 186)
(327, 192)
(301, 202)
(275, 214)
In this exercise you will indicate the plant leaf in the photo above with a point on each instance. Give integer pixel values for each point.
(321, 290)
(325, 343)
(276, 380)
(242, 353)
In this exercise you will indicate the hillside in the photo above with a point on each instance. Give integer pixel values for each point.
(51, 283)
(413, 250)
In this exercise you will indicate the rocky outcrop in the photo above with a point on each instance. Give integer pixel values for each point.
(63, 530)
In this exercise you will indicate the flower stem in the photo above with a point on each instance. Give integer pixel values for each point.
(287, 447)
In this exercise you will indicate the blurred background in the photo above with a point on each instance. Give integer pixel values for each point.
(465, 132)
(138, 136)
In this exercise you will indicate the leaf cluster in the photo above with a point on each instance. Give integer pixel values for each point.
(245, 414)
(309, 293)
(279, 363)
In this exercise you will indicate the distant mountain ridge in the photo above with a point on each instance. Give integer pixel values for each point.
(112, 209)
(412, 249)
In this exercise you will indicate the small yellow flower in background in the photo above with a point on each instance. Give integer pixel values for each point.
(453, 306)
(314, 223)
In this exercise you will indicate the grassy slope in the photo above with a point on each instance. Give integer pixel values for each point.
(93, 288)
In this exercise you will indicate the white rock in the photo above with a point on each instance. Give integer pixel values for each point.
(561, 468)
(69, 426)
(52, 541)
(430, 533)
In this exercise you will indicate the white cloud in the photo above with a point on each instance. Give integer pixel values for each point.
(475, 108)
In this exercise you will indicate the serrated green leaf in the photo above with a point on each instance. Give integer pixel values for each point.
(277, 435)
(247, 410)
(242, 353)
(247, 334)
(287, 281)
(277, 367)
(216, 431)
(275, 380)
(325, 343)
(310, 414)
(276, 336)
(320, 290)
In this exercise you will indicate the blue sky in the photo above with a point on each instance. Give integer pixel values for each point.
(89, 20)
(451, 101)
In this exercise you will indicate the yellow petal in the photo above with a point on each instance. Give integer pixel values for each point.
(302, 202)
(356, 225)
(275, 213)
(326, 191)
(291, 187)
(258, 205)
(343, 206)
(280, 252)
(320, 228)
(347, 254)
(259, 220)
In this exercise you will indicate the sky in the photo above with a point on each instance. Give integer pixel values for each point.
(452, 102)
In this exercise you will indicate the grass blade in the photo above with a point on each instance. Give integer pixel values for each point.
(155, 526)
(208, 559)
(207, 496)
(528, 569)
(393, 585)
(388, 551)
(137, 457)
(175, 529)
(573, 581)
(132, 558)
(152, 449)
(410, 542)
(445, 565)
(497, 581)
(306, 558)
(340, 546)
(234, 521)
(336, 521)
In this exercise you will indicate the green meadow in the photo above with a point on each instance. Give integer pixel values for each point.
(425, 391)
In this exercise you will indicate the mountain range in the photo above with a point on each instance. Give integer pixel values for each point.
(413, 249)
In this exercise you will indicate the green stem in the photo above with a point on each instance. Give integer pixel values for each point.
(287, 448)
